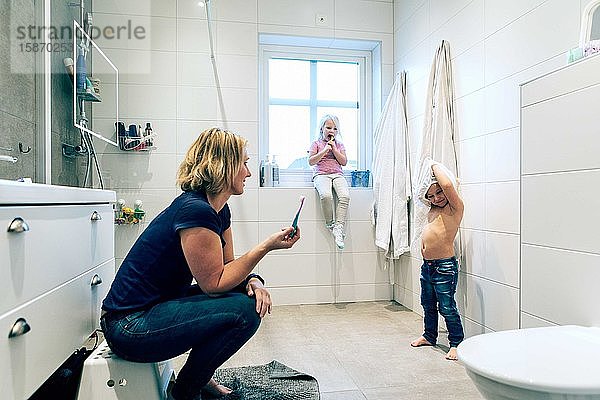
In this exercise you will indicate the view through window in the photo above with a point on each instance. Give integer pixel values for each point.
(300, 92)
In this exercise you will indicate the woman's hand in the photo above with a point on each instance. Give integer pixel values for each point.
(282, 239)
(256, 289)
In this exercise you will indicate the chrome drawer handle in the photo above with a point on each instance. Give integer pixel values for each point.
(18, 225)
(96, 280)
(96, 216)
(20, 327)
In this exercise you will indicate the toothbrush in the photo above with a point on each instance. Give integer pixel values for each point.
(295, 222)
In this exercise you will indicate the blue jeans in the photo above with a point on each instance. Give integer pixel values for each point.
(438, 286)
(214, 328)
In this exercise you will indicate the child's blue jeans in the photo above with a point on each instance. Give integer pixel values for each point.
(438, 286)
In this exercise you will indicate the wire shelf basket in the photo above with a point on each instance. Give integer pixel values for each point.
(134, 139)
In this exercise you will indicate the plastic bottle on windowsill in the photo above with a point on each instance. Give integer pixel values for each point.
(268, 172)
(275, 168)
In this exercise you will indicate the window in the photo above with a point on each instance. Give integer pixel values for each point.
(590, 23)
(301, 84)
(300, 92)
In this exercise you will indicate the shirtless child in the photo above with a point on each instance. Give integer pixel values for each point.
(439, 272)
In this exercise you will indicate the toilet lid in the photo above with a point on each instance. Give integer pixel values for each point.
(558, 359)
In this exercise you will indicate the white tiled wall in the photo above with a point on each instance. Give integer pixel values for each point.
(569, 275)
(559, 210)
(496, 45)
(559, 243)
(566, 123)
(168, 80)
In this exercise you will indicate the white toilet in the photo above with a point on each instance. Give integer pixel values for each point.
(554, 363)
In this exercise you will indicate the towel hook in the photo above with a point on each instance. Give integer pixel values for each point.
(24, 151)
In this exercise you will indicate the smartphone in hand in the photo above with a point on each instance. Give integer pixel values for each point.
(295, 221)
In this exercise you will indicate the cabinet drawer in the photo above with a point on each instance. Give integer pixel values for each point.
(61, 243)
(98, 282)
(59, 323)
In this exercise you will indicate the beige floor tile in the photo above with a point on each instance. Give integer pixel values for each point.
(347, 395)
(356, 351)
(453, 390)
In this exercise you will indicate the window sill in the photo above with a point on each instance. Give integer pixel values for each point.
(303, 179)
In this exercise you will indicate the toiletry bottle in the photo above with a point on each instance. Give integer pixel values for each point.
(261, 169)
(268, 175)
(81, 73)
(148, 132)
(89, 88)
(119, 205)
(143, 143)
(275, 168)
(132, 132)
(138, 212)
(121, 134)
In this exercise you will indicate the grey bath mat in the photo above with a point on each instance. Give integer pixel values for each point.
(272, 381)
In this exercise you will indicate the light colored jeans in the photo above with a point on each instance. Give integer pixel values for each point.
(325, 185)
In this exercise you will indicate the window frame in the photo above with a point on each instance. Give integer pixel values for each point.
(587, 19)
(364, 59)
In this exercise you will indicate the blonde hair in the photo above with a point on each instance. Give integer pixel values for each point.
(212, 161)
(324, 119)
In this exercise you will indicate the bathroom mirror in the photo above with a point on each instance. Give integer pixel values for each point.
(590, 23)
(96, 87)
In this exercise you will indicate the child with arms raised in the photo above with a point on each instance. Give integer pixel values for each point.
(439, 272)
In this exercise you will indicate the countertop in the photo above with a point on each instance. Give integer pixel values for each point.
(20, 193)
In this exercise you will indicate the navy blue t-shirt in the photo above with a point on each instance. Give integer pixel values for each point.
(155, 269)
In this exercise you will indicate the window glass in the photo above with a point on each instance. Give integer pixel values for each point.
(301, 84)
(289, 79)
(337, 81)
(289, 135)
(295, 109)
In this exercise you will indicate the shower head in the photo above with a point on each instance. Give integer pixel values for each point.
(87, 23)
(87, 27)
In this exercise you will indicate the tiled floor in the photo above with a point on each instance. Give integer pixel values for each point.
(357, 351)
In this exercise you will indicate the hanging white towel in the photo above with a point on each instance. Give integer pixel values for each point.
(391, 173)
(438, 131)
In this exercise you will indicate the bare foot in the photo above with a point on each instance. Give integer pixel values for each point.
(420, 342)
(214, 389)
(451, 355)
